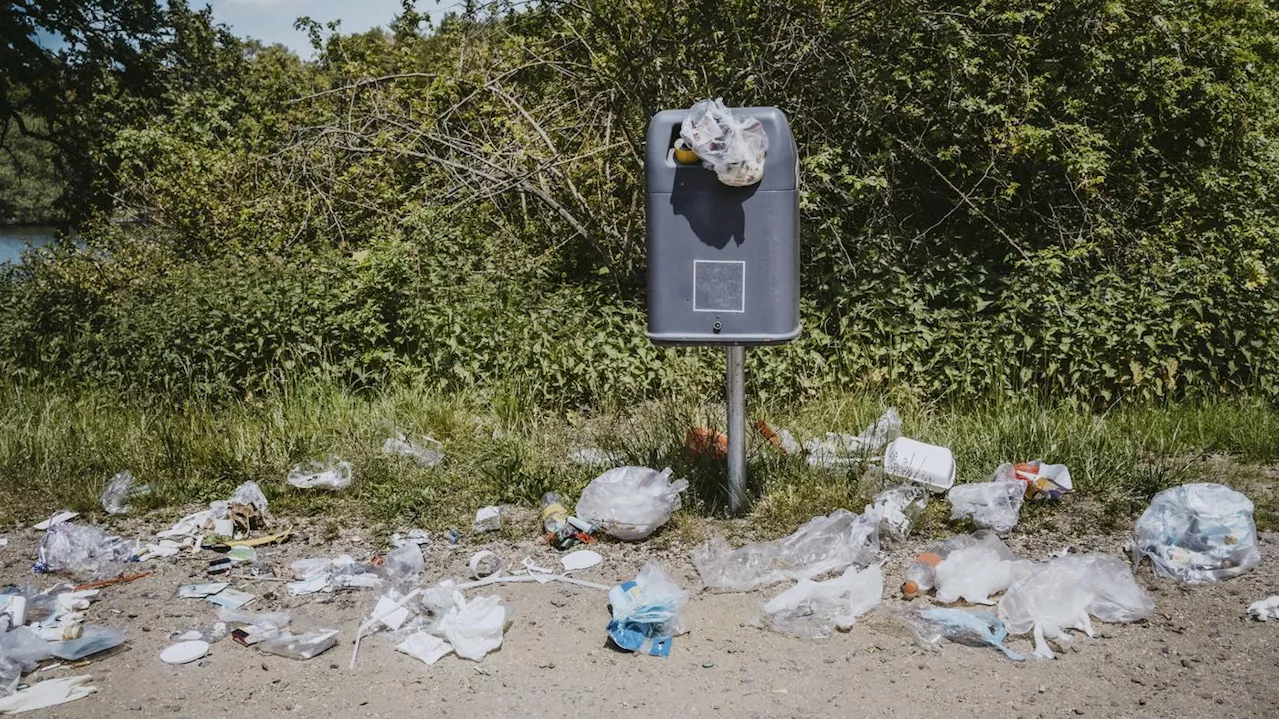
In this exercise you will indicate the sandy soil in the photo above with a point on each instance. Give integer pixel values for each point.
(1199, 655)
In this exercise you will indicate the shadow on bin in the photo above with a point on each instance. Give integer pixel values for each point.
(718, 223)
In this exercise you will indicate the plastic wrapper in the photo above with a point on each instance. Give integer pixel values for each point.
(630, 503)
(824, 544)
(975, 572)
(122, 488)
(974, 628)
(94, 639)
(993, 505)
(814, 609)
(648, 610)
(24, 648)
(1065, 592)
(732, 146)
(1040, 480)
(898, 509)
(1198, 533)
(841, 450)
(299, 643)
(425, 450)
(332, 474)
(83, 551)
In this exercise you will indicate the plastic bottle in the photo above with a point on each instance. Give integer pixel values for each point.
(921, 576)
(554, 513)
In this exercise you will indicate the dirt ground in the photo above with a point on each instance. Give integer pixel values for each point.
(1199, 655)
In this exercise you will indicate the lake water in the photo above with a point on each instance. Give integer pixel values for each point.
(16, 238)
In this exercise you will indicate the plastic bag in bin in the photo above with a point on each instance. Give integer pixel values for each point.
(730, 145)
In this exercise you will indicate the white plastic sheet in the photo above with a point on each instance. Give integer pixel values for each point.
(813, 609)
(331, 474)
(976, 572)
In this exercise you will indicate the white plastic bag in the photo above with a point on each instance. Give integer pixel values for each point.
(426, 451)
(1198, 533)
(630, 503)
(824, 544)
(332, 474)
(975, 573)
(898, 508)
(813, 609)
(1265, 609)
(475, 628)
(1063, 593)
(994, 505)
(122, 487)
(732, 146)
(251, 494)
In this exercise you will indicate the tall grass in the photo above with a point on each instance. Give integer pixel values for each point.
(60, 447)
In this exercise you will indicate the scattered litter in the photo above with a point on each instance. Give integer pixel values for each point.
(244, 510)
(164, 548)
(403, 565)
(391, 611)
(254, 542)
(424, 646)
(732, 146)
(299, 646)
(1265, 609)
(416, 536)
(109, 582)
(427, 451)
(595, 457)
(200, 591)
(57, 518)
(824, 544)
(484, 563)
(230, 598)
(647, 611)
(184, 652)
(208, 634)
(992, 505)
(706, 442)
(976, 572)
(119, 491)
(922, 574)
(630, 503)
(474, 628)
(92, 639)
(1198, 533)
(555, 514)
(927, 464)
(4, 541)
(1064, 592)
(488, 519)
(581, 559)
(13, 610)
(48, 693)
(780, 438)
(843, 450)
(332, 474)
(813, 609)
(976, 628)
(898, 508)
(83, 551)
(1041, 481)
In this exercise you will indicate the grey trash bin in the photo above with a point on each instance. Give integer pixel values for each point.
(724, 262)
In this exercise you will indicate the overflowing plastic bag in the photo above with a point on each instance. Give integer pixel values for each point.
(630, 503)
(1198, 533)
(83, 551)
(993, 505)
(1040, 480)
(814, 609)
(1064, 592)
(730, 145)
(975, 628)
(122, 488)
(976, 572)
(824, 544)
(330, 474)
(647, 610)
(426, 451)
(898, 508)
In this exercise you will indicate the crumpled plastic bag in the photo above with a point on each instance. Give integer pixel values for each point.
(813, 609)
(21, 650)
(1198, 533)
(403, 565)
(976, 572)
(332, 474)
(974, 628)
(898, 508)
(994, 505)
(824, 544)
(840, 450)
(630, 503)
(122, 487)
(647, 610)
(1265, 609)
(1064, 592)
(426, 451)
(83, 551)
(732, 146)
(474, 628)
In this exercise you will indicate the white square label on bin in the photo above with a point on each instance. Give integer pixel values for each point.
(719, 286)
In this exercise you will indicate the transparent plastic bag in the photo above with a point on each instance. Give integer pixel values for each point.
(814, 609)
(94, 639)
(974, 628)
(332, 474)
(822, 545)
(647, 610)
(630, 503)
(474, 628)
(840, 450)
(1064, 592)
(302, 645)
(994, 505)
(122, 487)
(730, 145)
(898, 508)
(403, 565)
(975, 572)
(1198, 533)
(250, 494)
(83, 551)
(426, 451)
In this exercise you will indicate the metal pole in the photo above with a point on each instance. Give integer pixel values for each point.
(736, 403)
